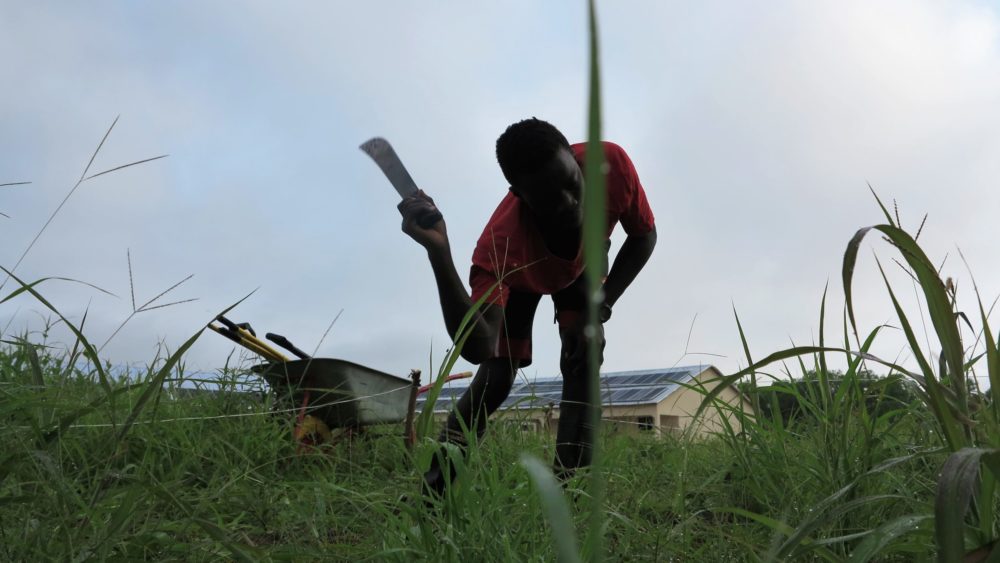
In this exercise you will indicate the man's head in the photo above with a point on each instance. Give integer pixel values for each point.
(537, 161)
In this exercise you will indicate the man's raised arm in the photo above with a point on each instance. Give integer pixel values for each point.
(455, 300)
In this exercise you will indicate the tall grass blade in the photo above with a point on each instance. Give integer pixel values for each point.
(155, 385)
(594, 234)
(66, 421)
(992, 355)
(89, 351)
(34, 363)
(425, 422)
(956, 486)
(61, 204)
(239, 552)
(83, 178)
(874, 543)
(120, 517)
(888, 216)
(831, 507)
(934, 391)
(824, 383)
(24, 287)
(555, 507)
(753, 374)
(720, 384)
(123, 166)
(938, 304)
(98, 149)
(74, 353)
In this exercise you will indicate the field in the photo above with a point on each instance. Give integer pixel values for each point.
(215, 476)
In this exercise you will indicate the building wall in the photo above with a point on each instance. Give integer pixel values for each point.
(676, 412)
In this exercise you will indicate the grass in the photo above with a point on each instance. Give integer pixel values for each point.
(225, 486)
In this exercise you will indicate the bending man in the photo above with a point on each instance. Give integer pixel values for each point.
(532, 246)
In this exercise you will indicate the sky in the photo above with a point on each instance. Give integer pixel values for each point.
(755, 132)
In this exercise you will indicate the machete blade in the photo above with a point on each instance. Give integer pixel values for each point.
(385, 157)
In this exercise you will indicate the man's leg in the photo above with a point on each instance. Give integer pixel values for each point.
(487, 392)
(575, 434)
(490, 386)
(484, 396)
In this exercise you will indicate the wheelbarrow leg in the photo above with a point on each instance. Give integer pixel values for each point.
(409, 433)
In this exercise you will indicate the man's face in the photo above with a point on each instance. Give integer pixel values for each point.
(555, 191)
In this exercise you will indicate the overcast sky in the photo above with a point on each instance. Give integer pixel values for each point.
(755, 133)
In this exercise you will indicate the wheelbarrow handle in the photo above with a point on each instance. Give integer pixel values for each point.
(235, 327)
(286, 344)
(451, 377)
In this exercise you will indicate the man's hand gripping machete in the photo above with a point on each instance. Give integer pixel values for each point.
(385, 157)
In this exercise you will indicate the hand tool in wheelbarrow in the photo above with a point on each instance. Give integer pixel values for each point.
(385, 157)
(238, 340)
(244, 335)
(286, 344)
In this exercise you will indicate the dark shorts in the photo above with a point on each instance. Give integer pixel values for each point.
(519, 317)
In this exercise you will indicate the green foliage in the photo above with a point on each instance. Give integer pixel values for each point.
(956, 416)
(883, 396)
(208, 476)
(594, 235)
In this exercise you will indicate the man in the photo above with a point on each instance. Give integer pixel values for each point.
(532, 246)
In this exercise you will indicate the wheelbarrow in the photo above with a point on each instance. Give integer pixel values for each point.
(340, 393)
(329, 393)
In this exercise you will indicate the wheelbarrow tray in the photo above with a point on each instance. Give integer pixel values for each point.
(341, 393)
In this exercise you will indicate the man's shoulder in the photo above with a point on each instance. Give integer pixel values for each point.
(506, 218)
(503, 237)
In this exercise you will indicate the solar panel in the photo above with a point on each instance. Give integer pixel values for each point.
(543, 386)
(654, 378)
(650, 394)
(635, 387)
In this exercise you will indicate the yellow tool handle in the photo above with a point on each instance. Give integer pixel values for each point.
(245, 335)
(262, 352)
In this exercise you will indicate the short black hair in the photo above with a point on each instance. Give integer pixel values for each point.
(527, 145)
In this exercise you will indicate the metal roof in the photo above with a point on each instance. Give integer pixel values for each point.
(621, 388)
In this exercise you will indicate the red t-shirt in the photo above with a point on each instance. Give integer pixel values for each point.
(511, 240)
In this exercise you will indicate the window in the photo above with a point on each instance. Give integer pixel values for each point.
(646, 423)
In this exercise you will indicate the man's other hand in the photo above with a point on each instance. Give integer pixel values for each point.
(412, 209)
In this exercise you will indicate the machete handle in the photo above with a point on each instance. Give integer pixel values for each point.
(284, 343)
(428, 220)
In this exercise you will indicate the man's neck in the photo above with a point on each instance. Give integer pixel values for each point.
(562, 239)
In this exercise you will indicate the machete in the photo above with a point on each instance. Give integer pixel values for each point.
(385, 157)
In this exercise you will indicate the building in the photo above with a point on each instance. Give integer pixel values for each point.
(656, 401)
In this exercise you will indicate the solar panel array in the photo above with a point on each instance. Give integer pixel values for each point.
(617, 388)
